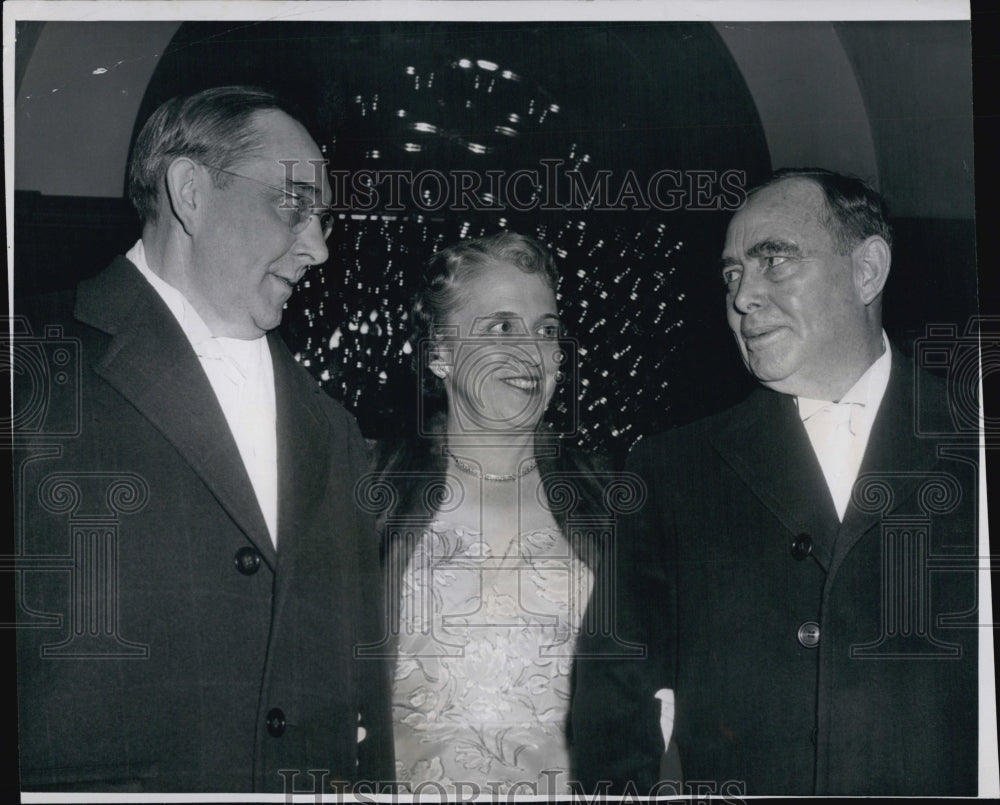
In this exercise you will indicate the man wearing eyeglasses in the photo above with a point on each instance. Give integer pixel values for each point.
(202, 638)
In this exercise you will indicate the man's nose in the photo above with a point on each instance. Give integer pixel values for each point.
(750, 293)
(312, 244)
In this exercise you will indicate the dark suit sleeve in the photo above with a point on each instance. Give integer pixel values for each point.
(376, 763)
(616, 738)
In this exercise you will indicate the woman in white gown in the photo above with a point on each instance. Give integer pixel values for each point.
(488, 585)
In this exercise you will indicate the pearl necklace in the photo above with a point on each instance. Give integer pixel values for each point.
(473, 470)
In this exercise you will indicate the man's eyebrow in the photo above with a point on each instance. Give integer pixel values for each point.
(772, 246)
(510, 314)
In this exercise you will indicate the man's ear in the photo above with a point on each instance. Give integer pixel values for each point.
(183, 186)
(871, 261)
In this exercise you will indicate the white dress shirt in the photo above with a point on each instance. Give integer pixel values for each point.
(242, 377)
(839, 430)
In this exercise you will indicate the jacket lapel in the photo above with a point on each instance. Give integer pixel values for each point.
(893, 450)
(767, 446)
(303, 447)
(151, 363)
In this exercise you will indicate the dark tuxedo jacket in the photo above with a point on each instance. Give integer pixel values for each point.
(807, 656)
(163, 643)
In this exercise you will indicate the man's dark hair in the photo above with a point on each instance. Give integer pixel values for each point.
(212, 126)
(855, 210)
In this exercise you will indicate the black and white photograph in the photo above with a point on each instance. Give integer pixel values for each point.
(498, 401)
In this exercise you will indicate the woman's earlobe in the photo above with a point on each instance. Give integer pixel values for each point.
(440, 361)
(440, 368)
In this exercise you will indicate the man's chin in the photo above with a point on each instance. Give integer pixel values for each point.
(769, 375)
(264, 322)
(794, 385)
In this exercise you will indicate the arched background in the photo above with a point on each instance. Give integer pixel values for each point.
(890, 102)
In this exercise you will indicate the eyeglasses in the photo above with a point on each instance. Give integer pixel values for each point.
(302, 207)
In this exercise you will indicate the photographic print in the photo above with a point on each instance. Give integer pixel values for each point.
(476, 400)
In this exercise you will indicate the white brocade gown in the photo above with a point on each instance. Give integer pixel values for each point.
(486, 641)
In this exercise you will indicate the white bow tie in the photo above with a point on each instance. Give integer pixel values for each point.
(848, 413)
(210, 348)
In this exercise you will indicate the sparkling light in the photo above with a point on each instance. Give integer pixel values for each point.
(619, 294)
